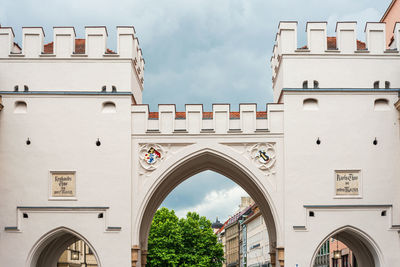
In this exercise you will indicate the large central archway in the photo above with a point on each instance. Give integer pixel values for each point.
(210, 159)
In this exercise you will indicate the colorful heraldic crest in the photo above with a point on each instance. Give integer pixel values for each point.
(151, 156)
(263, 156)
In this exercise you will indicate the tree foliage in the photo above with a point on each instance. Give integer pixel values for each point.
(185, 242)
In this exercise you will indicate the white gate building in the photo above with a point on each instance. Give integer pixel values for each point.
(81, 157)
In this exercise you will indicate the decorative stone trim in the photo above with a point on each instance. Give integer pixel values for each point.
(263, 156)
(151, 156)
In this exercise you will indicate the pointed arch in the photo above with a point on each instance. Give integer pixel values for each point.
(48, 249)
(367, 252)
(215, 160)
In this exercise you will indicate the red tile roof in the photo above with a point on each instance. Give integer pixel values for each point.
(180, 115)
(331, 44)
(79, 47)
(209, 115)
(234, 115)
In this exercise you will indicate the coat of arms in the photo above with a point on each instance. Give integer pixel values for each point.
(152, 156)
(262, 156)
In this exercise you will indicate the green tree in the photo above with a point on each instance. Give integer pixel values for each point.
(185, 242)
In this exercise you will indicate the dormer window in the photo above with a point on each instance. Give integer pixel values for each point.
(316, 84)
(305, 84)
(376, 85)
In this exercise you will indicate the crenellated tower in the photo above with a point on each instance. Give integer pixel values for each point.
(334, 62)
(74, 65)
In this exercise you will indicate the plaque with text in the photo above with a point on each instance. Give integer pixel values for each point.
(63, 184)
(347, 183)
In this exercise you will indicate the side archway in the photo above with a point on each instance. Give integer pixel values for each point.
(48, 249)
(366, 251)
(201, 160)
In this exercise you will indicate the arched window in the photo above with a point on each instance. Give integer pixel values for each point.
(109, 107)
(316, 84)
(20, 107)
(381, 104)
(376, 85)
(310, 104)
(305, 84)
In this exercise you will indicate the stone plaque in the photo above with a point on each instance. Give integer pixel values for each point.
(347, 183)
(63, 184)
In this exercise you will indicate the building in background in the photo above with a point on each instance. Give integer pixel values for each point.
(391, 16)
(233, 234)
(334, 253)
(216, 226)
(77, 255)
(222, 239)
(257, 245)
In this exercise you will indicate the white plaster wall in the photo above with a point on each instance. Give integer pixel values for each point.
(346, 124)
(68, 75)
(338, 71)
(63, 131)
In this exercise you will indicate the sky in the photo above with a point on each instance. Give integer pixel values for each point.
(197, 52)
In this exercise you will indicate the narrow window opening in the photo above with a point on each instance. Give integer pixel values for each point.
(310, 104)
(20, 107)
(381, 104)
(26, 88)
(103, 89)
(16, 88)
(100, 215)
(311, 214)
(387, 85)
(25, 215)
(316, 84)
(114, 89)
(376, 85)
(305, 84)
(109, 107)
(383, 213)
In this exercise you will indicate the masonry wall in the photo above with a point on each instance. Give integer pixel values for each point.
(346, 123)
(348, 64)
(63, 131)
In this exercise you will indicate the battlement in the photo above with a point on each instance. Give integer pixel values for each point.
(345, 42)
(69, 61)
(195, 121)
(63, 45)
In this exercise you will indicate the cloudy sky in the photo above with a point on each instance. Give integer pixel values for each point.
(196, 51)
